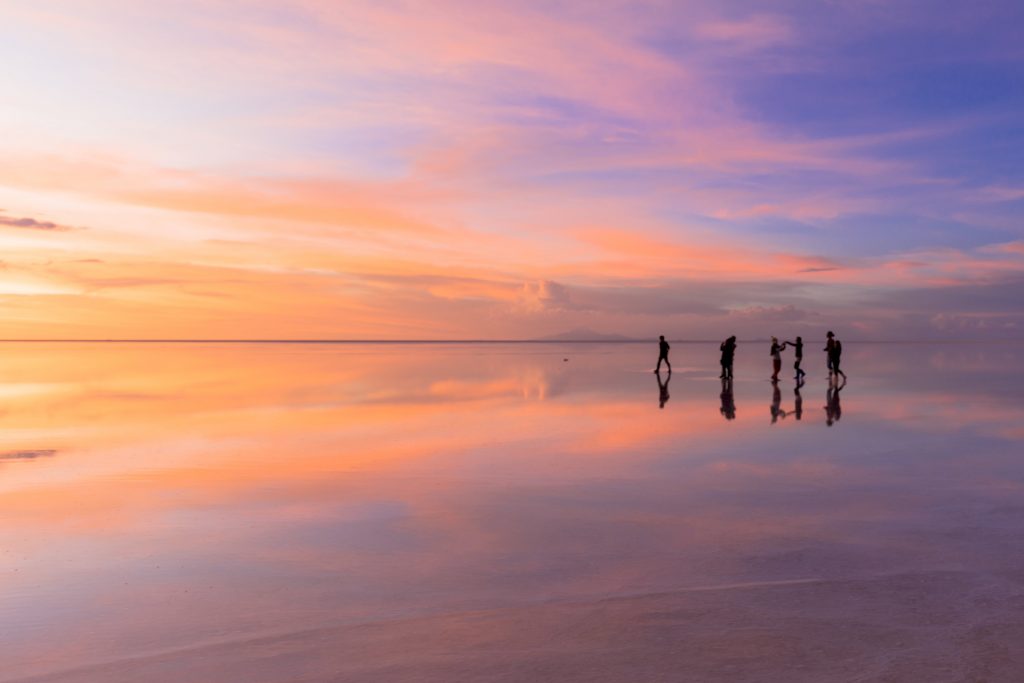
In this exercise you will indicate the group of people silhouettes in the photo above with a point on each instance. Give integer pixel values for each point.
(833, 357)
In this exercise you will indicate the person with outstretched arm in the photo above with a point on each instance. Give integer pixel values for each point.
(798, 348)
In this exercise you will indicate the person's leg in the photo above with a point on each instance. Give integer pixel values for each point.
(658, 367)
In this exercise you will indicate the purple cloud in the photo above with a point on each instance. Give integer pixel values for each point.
(32, 224)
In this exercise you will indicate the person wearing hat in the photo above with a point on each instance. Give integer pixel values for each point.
(832, 353)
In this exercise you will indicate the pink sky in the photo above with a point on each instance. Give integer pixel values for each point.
(438, 170)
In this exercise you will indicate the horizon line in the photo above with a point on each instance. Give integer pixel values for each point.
(129, 340)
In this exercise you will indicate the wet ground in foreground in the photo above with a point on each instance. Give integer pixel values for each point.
(519, 512)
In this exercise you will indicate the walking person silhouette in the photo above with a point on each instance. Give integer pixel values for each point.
(663, 348)
(837, 356)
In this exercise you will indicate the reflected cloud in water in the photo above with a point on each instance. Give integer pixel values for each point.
(31, 454)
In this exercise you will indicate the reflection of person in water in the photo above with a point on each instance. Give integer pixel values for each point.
(776, 402)
(798, 401)
(833, 409)
(663, 348)
(728, 408)
(728, 349)
(663, 389)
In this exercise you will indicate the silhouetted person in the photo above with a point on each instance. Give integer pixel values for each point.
(728, 349)
(830, 348)
(663, 348)
(798, 349)
(663, 389)
(775, 352)
(798, 400)
(833, 408)
(776, 403)
(728, 408)
(837, 356)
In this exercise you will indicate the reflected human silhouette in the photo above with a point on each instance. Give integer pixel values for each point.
(833, 408)
(663, 389)
(728, 408)
(798, 401)
(775, 409)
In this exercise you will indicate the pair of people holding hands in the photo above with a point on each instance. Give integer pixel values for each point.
(833, 350)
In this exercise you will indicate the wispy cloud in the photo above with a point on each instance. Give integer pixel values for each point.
(367, 169)
(753, 32)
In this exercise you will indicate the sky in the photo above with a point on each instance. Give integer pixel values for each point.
(389, 169)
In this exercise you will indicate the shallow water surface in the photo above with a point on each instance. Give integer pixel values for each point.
(461, 512)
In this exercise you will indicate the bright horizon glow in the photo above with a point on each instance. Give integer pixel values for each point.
(510, 170)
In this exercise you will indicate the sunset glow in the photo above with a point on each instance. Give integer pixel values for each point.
(307, 169)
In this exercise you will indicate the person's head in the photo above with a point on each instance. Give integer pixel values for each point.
(661, 337)
(799, 340)
(732, 338)
(775, 340)
(830, 334)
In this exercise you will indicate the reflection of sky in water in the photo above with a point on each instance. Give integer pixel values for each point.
(258, 489)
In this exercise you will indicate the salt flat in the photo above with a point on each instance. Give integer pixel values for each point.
(498, 513)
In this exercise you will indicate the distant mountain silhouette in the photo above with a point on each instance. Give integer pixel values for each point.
(585, 334)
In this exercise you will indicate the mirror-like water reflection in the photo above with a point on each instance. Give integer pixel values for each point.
(466, 512)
